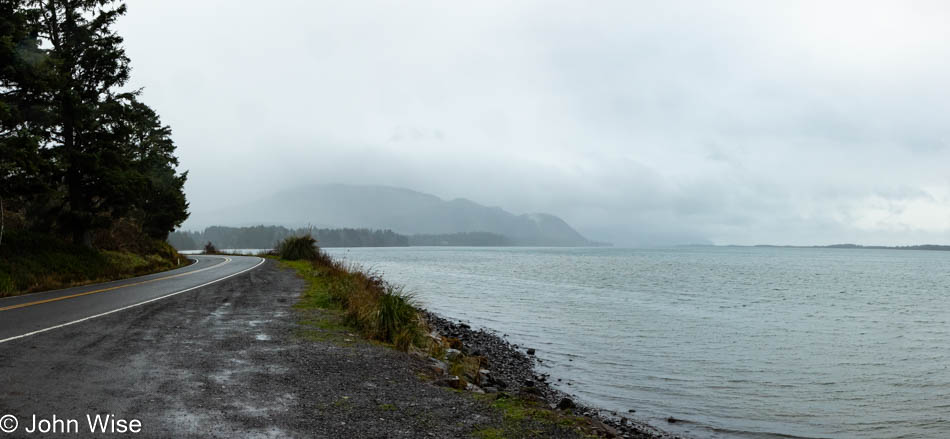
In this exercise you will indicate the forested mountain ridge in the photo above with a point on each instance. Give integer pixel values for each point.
(402, 210)
(267, 237)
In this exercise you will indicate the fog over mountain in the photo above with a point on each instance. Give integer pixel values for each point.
(402, 210)
(640, 123)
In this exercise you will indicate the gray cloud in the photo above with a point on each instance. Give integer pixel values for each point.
(638, 122)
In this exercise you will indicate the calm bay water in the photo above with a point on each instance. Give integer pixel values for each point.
(737, 342)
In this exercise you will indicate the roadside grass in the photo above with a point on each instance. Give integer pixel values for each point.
(340, 298)
(343, 295)
(32, 262)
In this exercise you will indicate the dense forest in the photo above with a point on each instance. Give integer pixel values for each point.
(80, 157)
(263, 237)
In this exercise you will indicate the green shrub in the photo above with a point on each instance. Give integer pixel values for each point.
(297, 248)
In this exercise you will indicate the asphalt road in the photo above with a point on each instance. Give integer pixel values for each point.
(232, 359)
(30, 314)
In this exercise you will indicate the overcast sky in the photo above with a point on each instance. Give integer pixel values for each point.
(733, 122)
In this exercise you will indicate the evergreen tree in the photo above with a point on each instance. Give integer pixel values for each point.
(80, 152)
(23, 164)
(149, 190)
(88, 65)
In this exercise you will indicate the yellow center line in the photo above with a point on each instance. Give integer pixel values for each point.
(71, 296)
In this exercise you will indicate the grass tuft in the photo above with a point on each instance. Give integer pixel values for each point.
(296, 248)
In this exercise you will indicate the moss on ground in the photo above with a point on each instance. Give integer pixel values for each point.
(525, 418)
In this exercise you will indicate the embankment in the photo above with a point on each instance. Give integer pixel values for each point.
(35, 262)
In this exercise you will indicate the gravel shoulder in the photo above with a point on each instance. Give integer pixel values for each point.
(233, 360)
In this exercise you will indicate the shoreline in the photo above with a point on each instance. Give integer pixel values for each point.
(511, 365)
(478, 364)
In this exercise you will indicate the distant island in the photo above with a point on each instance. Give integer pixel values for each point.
(423, 219)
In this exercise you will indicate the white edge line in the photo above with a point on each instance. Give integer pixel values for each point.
(130, 306)
(59, 290)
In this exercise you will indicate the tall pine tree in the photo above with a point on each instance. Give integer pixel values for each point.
(81, 151)
(24, 165)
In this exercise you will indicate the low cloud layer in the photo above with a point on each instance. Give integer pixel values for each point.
(734, 122)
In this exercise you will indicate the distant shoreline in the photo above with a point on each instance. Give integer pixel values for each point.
(930, 247)
(267, 236)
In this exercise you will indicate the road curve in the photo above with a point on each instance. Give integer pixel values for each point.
(30, 314)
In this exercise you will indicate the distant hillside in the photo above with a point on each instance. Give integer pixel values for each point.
(401, 210)
(263, 237)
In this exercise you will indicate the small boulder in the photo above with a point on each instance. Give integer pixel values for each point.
(531, 392)
(604, 429)
(530, 351)
(452, 382)
(438, 367)
(453, 354)
(484, 377)
(565, 403)
(474, 389)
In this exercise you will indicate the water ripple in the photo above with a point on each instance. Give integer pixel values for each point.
(739, 342)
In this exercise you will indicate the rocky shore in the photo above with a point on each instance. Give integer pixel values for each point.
(510, 369)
